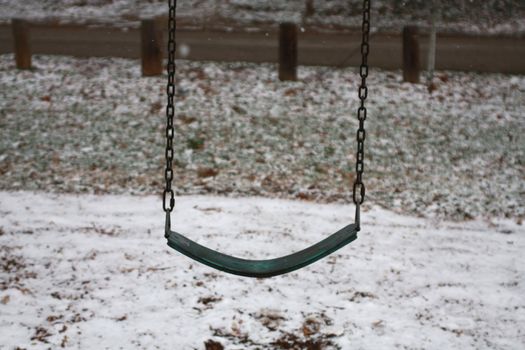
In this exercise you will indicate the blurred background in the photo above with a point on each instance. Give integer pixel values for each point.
(463, 16)
(436, 113)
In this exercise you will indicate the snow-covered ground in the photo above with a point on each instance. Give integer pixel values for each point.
(93, 272)
(95, 125)
(467, 16)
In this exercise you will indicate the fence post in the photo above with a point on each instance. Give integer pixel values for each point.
(310, 9)
(21, 42)
(411, 61)
(288, 51)
(431, 61)
(151, 47)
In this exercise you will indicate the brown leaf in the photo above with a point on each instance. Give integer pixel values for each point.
(41, 334)
(55, 159)
(378, 323)
(239, 109)
(271, 319)
(291, 92)
(362, 295)
(64, 341)
(53, 318)
(186, 119)
(207, 172)
(213, 345)
(210, 209)
(56, 295)
(208, 300)
(431, 88)
(304, 196)
(311, 327)
(207, 89)
(5, 299)
(156, 107)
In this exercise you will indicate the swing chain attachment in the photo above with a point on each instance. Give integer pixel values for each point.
(359, 190)
(168, 198)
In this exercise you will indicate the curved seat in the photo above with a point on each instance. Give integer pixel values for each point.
(262, 268)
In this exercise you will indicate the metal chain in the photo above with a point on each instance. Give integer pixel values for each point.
(359, 187)
(168, 198)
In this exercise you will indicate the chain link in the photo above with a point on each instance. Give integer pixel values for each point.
(168, 198)
(359, 190)
(359, 187)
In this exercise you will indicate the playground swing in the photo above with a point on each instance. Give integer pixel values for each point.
(288, 263)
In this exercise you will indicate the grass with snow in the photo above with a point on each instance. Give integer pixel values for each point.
(475, 17)
(94, 272)
(94, 125)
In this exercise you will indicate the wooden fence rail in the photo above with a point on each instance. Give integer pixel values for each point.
(454, 52)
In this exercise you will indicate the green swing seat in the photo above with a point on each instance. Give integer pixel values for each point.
(284, 264)
(261, 268)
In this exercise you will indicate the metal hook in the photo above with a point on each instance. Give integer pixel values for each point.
(358, 216)
(167, 227)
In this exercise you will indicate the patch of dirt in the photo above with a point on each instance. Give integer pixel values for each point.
(271, 319)
(209, 300)
(289, 341)
(17, 272)
(41, 335)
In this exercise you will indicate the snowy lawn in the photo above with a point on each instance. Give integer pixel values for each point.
(95, 125)
(93, 272)
(485, 17)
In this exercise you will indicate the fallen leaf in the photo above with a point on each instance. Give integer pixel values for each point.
(53, 318)
(378, 323)
(207, 172)
(213, 345)
(64, 341)
(209, 300)
(311, 327)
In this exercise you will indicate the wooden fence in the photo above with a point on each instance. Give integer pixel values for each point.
(453, 52)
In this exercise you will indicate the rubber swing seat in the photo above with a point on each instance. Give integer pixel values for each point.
(261, 268)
